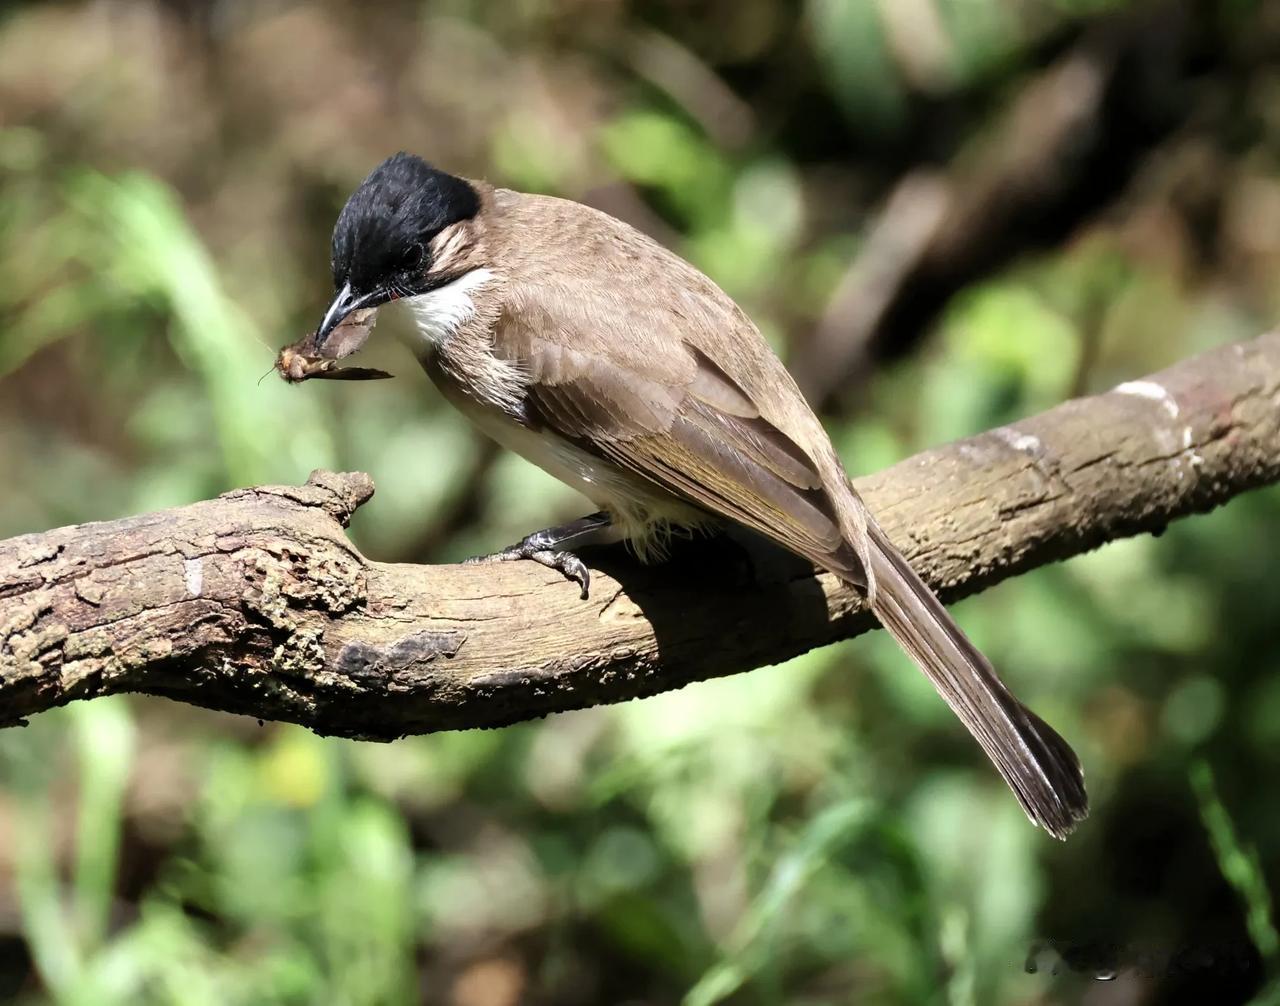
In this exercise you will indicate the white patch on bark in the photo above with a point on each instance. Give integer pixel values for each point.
(1023, 442)
(1159, 394)
(1152, 391)
(193, 573)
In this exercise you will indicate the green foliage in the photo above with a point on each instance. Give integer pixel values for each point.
(1240, 865)
(848, 38)
(812, 833)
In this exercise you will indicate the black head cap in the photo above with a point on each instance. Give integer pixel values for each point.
(382, 235)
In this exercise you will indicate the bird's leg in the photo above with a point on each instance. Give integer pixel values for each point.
(551, 547)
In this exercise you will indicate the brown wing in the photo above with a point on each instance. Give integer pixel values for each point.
(702, 440)
(707, 444)
(618, 344)
(617, 336)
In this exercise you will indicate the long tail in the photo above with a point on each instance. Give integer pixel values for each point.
(1039, 766)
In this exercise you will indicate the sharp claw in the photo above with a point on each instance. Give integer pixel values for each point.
(565, 563)
(578, 571)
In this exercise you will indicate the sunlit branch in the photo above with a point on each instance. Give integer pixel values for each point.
(256, 602)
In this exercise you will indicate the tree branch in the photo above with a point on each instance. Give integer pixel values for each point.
(255, 602)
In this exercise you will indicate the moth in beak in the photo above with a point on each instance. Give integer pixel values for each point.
(391, 241)
(623, 371)
(346, 327)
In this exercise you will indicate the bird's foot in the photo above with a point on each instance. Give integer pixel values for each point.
(547, 548)
(567, 563)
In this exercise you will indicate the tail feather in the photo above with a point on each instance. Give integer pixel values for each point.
(1038, 765)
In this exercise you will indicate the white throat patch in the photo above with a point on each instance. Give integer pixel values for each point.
(442, 311)
(466, 368)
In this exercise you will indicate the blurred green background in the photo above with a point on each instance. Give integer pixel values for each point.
(946, 214)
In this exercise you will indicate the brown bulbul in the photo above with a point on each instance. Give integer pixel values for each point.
(613, 364)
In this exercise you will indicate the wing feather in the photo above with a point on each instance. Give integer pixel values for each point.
(739, 467)
(616, 335)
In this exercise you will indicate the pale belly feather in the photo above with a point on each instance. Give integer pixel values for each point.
(488, 392)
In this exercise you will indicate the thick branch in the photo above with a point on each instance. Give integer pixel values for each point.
(255, 602)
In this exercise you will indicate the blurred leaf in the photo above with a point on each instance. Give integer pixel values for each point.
(660, 151)
(153, 249)
(747, 950)
(104, 734)
(1240, 866)
(55, 948)
(848, 38)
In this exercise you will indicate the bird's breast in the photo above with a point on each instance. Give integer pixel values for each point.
(455, 347)
(438, 314)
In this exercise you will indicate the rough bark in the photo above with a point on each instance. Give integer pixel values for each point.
(256, 602)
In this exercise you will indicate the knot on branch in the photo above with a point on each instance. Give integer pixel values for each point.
(340, 494)
(256, 602)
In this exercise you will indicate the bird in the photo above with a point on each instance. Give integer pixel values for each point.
(596, 353)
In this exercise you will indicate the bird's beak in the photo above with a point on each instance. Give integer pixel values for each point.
(343, 304)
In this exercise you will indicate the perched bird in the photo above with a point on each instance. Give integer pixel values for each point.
(597, 354)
